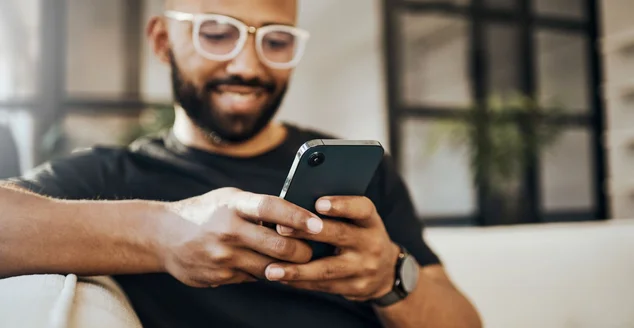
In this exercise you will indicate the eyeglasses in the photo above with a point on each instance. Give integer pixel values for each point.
(222, 38)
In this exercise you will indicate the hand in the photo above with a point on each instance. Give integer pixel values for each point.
(214, 239)
(364, 266)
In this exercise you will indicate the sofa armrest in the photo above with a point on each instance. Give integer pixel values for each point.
(57, 301)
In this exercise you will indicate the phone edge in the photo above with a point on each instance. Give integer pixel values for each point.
(321, 142)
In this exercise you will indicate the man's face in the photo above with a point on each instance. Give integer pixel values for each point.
(233, 99)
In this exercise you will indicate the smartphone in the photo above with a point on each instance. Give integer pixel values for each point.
(331, 168)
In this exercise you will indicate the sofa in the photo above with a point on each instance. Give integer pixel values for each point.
(574, 275)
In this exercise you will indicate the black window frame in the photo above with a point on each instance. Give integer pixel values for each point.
(51, 100)
(479, 14)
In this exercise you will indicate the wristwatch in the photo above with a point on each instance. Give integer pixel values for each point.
(405, 280)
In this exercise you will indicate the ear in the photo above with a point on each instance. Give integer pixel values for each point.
(158, 37)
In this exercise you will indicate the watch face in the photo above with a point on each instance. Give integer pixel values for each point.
(409, 274)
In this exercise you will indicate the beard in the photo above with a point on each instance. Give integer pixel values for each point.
(218, 127)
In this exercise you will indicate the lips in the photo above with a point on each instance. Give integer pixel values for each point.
(239, 99)
(239, 89)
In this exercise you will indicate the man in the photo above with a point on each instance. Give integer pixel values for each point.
(198, 258)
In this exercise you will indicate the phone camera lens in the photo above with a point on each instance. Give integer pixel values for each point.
(316, 159)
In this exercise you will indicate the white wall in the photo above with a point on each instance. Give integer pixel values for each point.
(339, 86)
(617, 46)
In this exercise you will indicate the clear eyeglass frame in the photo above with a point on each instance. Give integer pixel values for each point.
(302, 37)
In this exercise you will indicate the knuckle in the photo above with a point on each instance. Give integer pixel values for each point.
(227, 231)
(297, 218)
(293, 273)
(331, 271)
(342, 234)
(361, 286)
(263, 204)
(224, 275)
(221, 255)
(229, 236)
(284, 247)
(372, 267)
(368, 206)
(374, 249)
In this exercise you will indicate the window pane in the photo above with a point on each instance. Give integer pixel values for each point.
(503, 59)
(563, 8)
(435, 65)
(567, 173)
(96, 48)
(19, 48)
(562, 65)
(505, 202)
(436, 168)
(502, 4)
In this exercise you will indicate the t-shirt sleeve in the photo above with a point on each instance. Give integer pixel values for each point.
(399, 216)
(83, 175)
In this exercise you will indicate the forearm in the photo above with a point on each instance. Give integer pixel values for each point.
(39, 235)
(434, 303)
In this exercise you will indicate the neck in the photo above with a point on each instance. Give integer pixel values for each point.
(193, 136)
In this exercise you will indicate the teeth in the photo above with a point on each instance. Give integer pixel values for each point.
(241, 96)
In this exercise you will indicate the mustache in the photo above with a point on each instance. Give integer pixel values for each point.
(239, 81)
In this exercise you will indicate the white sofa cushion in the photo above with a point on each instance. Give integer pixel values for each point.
(549, 275)
(55, 301)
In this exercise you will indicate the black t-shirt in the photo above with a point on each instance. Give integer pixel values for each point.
(161, 168)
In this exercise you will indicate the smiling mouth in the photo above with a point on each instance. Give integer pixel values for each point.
(240, 99)
(240, 90)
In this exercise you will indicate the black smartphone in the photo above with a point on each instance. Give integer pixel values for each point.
(331, 168)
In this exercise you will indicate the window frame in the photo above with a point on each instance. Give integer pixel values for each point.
(478, 15)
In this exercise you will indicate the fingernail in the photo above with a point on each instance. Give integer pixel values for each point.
(315, 225)
(323, 205)
(285, 230)
(274, 273)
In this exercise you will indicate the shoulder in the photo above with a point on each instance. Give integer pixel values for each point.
(85, 173)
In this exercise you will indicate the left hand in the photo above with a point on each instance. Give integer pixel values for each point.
(364, 265)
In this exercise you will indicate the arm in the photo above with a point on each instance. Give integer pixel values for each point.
(43, 235)
(364, 269)
(434, 303)
(204, 241)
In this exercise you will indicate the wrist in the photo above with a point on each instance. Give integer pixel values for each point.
(388, 285)
(159, 228)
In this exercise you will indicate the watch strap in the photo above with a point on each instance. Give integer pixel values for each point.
(389, 299)
(396, 294)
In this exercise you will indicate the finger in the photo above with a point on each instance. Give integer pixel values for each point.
(252, 263)
(269, 243)
(284, 230)
(240, 277)
(359, 209)
(335, 233)
(350, 288)
(323, 269)
(275, 210)
(216, 278)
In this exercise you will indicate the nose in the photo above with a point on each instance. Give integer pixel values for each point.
(246, 64)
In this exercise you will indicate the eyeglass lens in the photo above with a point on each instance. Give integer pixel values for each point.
(221, 38)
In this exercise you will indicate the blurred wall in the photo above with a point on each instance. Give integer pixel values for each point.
(618, 48)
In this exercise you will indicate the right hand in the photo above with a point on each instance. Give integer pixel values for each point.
(216, 239)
